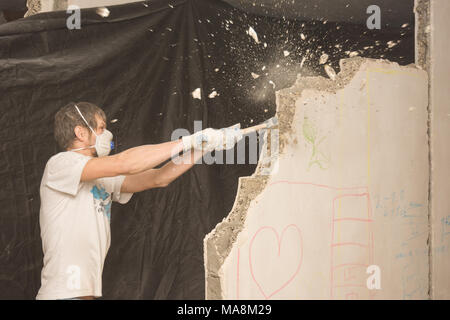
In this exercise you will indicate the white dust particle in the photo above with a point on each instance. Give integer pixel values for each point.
(114, 120)
(266, 110)
(170, 5)
(353, 54)
(303, 61)
(145, 5)
(213, 94)
(263, 68)
(286, 53)
(196, 94)
(278, 66)
(273, 84)
(302, 36)
(216, 69)
(265, 45)
(330, 72)
(255, 76)
(323, 58)
(252, 33)
(405, 25)
(251, 120)
(391, 44)
(103, 12)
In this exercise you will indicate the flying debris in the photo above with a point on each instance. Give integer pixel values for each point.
(265, 45)
(196, 94)
(216, 69)
(103, 12)
(170, 5)
(323, 58)
(391, 44)
(255, 76)
(286, 53)
(273, 84)
(252, 33)
(405, 25)
(303, 61)
(213, 94)
(330, 72)
(302, 36)
(353, 54)
(114, 120)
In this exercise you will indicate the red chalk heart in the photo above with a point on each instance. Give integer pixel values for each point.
(258, 283)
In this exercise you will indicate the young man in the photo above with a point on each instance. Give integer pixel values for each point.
(79, 184)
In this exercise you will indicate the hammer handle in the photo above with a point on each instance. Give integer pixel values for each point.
(254, 128)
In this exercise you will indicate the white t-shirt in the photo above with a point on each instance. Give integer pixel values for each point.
(74, 219)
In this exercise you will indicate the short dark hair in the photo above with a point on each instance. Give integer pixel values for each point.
(67, 118)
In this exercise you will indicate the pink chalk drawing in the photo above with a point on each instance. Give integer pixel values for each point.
(348, 266)
(279, 240)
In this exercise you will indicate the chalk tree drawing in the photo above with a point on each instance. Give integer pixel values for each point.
(310, 133)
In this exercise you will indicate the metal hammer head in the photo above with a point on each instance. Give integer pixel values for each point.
(272, 122)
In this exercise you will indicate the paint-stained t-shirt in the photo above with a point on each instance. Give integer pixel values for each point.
(75, 227)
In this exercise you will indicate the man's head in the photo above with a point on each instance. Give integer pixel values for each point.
(71, 132)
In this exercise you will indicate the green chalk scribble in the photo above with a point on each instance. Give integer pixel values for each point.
(317, 156)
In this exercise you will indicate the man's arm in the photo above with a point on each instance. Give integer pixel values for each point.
(131, 161)
(162, 177)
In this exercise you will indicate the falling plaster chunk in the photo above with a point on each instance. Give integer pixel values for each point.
(350, 191)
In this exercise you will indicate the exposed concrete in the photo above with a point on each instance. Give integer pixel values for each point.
(355, 149)
(440, 149)
(422, 13)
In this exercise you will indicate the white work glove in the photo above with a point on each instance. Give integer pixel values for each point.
(195, 140)
(224, 138)
(213, 139)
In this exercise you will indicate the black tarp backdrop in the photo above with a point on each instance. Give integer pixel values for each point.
(140, 65)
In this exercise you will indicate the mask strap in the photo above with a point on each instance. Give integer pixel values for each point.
(89, 128)
(84, 119)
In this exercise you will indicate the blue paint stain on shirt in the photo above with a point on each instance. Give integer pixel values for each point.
(103, 200)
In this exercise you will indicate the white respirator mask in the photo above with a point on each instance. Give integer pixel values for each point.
(103, 142)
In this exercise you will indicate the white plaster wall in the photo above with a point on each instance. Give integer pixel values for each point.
(351, 191)
(440, 108)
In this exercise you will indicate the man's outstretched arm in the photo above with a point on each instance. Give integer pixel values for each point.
(162, 177)
(131, 161)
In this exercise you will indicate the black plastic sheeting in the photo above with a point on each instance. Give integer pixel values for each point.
(140, 64)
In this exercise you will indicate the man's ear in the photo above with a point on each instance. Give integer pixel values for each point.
(80, 133)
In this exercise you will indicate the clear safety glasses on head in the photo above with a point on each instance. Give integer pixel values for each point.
(103, 142)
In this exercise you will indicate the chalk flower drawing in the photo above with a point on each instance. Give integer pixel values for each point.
(311, 136)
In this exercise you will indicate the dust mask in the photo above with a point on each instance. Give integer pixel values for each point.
(103, 142)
